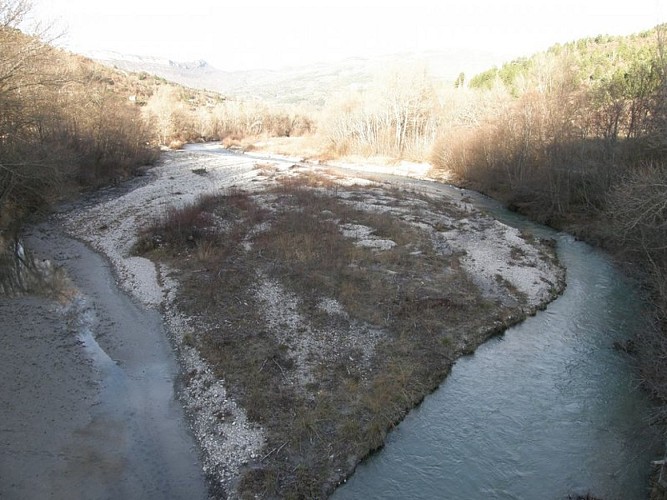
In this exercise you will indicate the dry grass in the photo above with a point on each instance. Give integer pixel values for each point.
(302, 146)
(326, 383)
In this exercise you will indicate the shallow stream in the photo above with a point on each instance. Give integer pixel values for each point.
(549, 409)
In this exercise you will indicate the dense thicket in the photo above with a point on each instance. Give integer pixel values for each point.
(62, 123)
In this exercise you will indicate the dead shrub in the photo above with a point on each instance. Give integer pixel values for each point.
(233, 141)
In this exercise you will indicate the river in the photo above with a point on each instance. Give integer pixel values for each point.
(549, 409)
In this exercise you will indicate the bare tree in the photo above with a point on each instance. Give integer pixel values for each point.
(397, 117)
(57, 120)
(163, 111)
(18, 75)
(13, 12)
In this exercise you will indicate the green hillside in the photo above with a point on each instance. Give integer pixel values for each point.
(586, 62)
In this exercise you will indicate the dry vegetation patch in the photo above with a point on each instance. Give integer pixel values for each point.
(323, 337)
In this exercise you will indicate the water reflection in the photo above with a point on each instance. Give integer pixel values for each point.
(21, 273)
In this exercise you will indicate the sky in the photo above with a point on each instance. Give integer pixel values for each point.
(253, 34)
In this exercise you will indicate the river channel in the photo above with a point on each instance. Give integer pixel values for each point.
(549, 409)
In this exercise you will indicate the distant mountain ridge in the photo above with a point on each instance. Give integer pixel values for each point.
(314, 83)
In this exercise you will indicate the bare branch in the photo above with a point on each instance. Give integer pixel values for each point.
(13, 12)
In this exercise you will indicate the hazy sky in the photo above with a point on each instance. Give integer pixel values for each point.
(244, 34)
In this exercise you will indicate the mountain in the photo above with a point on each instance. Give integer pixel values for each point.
(196, 74)
(312, 84)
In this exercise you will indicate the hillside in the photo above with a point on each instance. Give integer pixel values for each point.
(69, 123)
(576, 138)
(586, 62)
(312, 84)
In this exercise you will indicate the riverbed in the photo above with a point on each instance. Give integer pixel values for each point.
(547, 410)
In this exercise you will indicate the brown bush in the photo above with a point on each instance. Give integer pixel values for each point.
(637, 210)
(62, 126)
